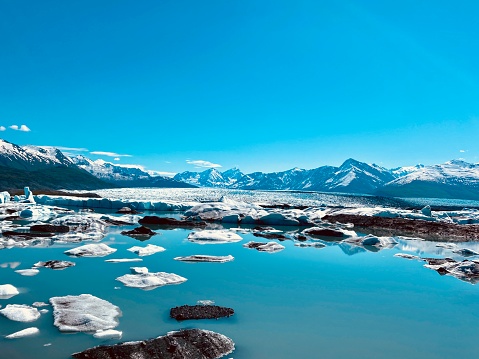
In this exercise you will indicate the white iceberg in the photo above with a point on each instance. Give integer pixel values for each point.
(108, 334)
(91, 250)
(123, 260)
(84, 313)
(205, 258)
(23, 333)
(150, 280)
(28, 272)
(20, 313)
(8, 291)
(214, 237)
(139, 270)
(146, 251)
(270, 247)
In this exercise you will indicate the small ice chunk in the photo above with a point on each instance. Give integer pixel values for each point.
(214, 237)
(44, 311)
(54, 264)
(427, 211)
(84, 313)
(150, 280)
(8, 291)
(407, 256)
(28, 272)
(108, 334)
(146, 251)
(311, 245)
(466, 252)
(270, 247)
(23, 333)
(205, 258)
(20, 313)
(40, 304)
(123, 260)
(91, 250)
(206, 302)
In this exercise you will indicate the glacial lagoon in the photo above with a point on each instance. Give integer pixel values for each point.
(340, 301)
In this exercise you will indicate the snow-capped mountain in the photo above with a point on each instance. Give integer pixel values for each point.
(41, 168)
(124, 176)
(403, 171)
(31, 158)
(351, 176)
(453, 179)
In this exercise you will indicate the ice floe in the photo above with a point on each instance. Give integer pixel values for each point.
(466, 252)
(20, 313)
(150, 280)
(371, 240)
(84, 313)
(205, 258)
(146, 251)
(310, 244)
(108, 334)
(54, 264)
(91, 250)
(214, 237)
(270, 247)
(28, 272)
(23, 333)
(7, 291)
(123, 260)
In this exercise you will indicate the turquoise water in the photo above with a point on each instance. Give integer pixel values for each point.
(298, 303)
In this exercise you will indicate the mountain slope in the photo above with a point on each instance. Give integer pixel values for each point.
(453, 179)
(122, 176)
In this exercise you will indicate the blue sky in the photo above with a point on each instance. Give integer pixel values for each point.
(261, 85)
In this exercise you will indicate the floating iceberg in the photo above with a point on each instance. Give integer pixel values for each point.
(54, 264)
(205, 258)
(146, 251)
(20, 313)
(150, 280)
(84, 313)
(270, 247)
(214, 237)
(23, 333)
(28, 272)
(123, 260)
(91, 250)
(108, 334)
(8, 291)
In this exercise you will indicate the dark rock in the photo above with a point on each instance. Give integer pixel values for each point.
(267, 235)
(325, 232)
(140, 232)
(49, 228)
(170, 222)
(55, 264)
(25, 235)
(439, 231)
(184, 344)
(186, 312)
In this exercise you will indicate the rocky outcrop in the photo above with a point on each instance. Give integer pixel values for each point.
(170, 222)
(142, 232)
(185, 344)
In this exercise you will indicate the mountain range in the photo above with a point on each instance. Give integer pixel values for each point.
(453, 179)
(47, 168)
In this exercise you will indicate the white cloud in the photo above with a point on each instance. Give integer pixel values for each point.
(24, 128)
(462, 151)
(116, 159)
(14, 127)
(74, 149)
(109, 154)
(203, 164)
(2, 128)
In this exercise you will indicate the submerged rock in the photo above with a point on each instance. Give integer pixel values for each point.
(205, 258)
(20, 313)
(140, 232)
(214, 237)
(264, 247)
(84, 313)
(187, 312)
(185, 344)
(23, 333)
(54, 264)
(91, 250)
(150, 280)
